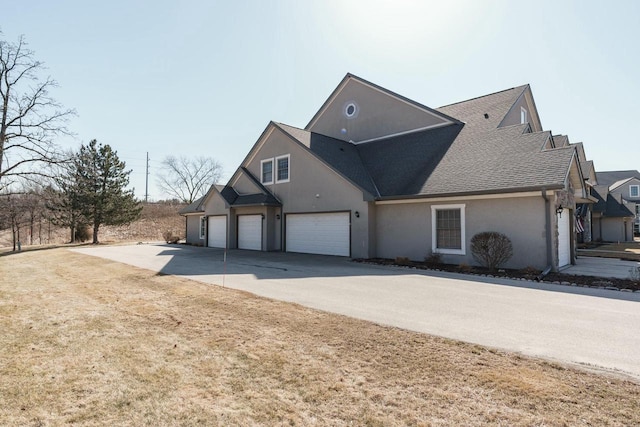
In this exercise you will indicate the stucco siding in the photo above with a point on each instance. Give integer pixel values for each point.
(193, 230)
(244, 185)
(513, 116)
(377, 114)
(615, 229)
(215, 205)
(312, 187)
(405, 229)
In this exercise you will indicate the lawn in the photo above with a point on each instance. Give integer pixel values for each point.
(88, 341)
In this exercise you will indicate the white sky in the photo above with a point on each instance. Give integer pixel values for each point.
(205, 77)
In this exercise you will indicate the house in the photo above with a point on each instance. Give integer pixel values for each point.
(376, 174)
(618, 207)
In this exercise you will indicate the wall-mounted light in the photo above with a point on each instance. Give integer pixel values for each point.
(559, 210)
(357, 214)
(277, 216)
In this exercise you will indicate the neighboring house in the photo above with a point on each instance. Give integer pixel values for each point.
(375, 174)
(620, 216)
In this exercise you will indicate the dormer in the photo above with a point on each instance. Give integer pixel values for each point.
(523, 111)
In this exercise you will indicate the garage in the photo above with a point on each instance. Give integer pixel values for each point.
(564, 238)
(250, 232)
(217, 232)
(319, 233)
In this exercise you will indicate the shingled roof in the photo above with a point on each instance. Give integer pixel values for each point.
(608, 205)
(476, 156)
(610, 177)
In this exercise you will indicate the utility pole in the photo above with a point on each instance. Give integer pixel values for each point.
(146, 182)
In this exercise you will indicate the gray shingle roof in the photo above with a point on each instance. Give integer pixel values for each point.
(608, 205)
(609, 177)
(401, 165)
(477, 157)
(471, 156)
(193, 207)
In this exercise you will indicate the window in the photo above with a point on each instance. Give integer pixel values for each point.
(203, 226)
(447, 229)
(266, 171)
(282, 168)
(523, 115)
(634, 191)
(351, 110)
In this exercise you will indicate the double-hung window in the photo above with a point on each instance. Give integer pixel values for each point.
(282, 168)
(634, 191)
(266, 171)
(275, 169)
(448, 229)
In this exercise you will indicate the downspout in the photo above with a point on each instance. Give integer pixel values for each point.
(547, 217)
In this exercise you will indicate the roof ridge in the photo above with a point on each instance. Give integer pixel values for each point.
(484, 96)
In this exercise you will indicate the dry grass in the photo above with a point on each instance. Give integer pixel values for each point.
(155, 219)
(92, 342)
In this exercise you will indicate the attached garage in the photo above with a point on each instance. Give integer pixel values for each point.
(564, 238)
(319, 233)
(217, 232)
(250, 232)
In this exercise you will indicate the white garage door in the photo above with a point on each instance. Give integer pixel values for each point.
(250, 232)
(217, 232)
(323, 233)
(564, 238)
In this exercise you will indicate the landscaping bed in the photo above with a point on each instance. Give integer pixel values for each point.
(524, 274)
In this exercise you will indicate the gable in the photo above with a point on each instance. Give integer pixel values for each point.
(359, 111)
(525, 104)
(623, 188)
(244, 185)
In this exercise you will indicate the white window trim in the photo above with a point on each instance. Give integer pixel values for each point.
(637, 191)
(262, 162)
(523, 116)
(275, 168)
(202, 230)
(434, 240)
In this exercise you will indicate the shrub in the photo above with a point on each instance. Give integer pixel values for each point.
(169, 237)
(83, 233)
(491, 249)
(634, 274)
(433, 260)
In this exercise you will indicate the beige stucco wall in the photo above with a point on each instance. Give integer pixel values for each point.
(244, 185)
(379, 114)
(312, 187)
(193, 230)
(613, 229)
(405, 229)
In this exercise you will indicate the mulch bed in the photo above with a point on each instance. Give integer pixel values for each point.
(527, 274)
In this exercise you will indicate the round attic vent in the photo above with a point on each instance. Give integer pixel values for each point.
(351, 110)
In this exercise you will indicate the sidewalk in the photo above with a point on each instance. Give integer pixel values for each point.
(602, 267)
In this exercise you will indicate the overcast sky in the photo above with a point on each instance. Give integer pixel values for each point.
(206, 77)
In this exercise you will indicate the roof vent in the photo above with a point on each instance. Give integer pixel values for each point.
(486, 115)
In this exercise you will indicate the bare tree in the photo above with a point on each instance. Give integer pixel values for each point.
(187, 179)
(29, 118)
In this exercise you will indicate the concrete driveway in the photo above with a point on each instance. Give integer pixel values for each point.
(594, 328)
